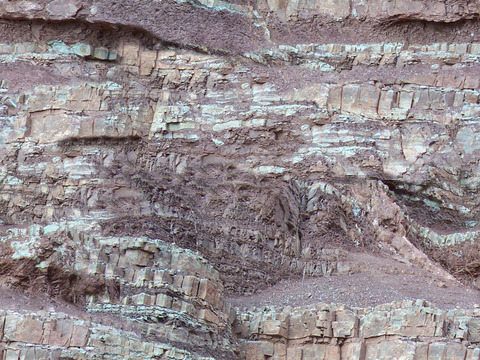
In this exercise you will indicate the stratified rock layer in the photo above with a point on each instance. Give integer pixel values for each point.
(141, 142)
(405, 330)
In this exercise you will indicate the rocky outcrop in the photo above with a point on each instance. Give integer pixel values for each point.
(170, 300)
(412, 133)
(156, 156)
(408, 330)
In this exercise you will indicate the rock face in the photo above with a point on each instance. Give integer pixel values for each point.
(156, 157)
(405, 330)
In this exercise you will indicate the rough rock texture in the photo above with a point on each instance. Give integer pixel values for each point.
(405, 330)
(158, 156)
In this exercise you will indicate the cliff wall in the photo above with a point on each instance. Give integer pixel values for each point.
(158, 158)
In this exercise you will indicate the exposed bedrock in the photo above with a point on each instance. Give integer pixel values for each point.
(157, 157)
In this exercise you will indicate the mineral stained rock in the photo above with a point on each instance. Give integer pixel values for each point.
(161, 158)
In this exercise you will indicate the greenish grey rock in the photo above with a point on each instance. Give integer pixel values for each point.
(112, 55)
(82, 49)
(101, 53)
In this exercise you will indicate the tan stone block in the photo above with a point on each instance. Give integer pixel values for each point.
(112, 271)
(334, 102)
(437, 351)
(350, 96)
(2, 326)
(368, 102)
(79, 336)
(471, 82)
(190, 285)
(162, 277)
(255, 324)
(177, 304)
(471, 97)
(256, 350)
(23, 329)
(363, 58)
(386, 102)
(388, 59)
(12, 354)
(219, 301)
(335, 48)
(374, 324)
(459, 98)
(143, 276)
(334, 8)
(29, 354)
(166, 55)
(164, 300)
(462, 48)
(321, 352)
(449, 98)
(436, 100)
(41, 100)
(472, 354)
(343, 329)
(450, 80)
(112, 55)
(302, 324)
(421, 352)
(143, 299)
(62, 9)
(137, 257)
(353, 351)
(208, 315)
(361, 100)
(150, 248)
(295, 353)
(130, 54)
(207, 291)
(280, 351)
(474, 49)
(57, 332)
(177, 281)
(473, 325)
(421, 99)
(337, 9)
(275, 328)
(405, 101)
(148, 59)
(188, 308)
(324, 323)
(390, 350)
(129, 273)
(455, 351)
(250, 350)
(96, 268)
(7, 49)
(315, 93)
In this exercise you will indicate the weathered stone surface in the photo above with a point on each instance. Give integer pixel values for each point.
(259, 135)
(62, 9)
(405, 330)
(100, 53)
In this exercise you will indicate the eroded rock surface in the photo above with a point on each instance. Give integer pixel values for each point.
(160, 158)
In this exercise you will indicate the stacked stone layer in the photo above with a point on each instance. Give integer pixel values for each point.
(155, 156)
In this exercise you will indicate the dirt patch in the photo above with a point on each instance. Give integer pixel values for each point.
(379, 280)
